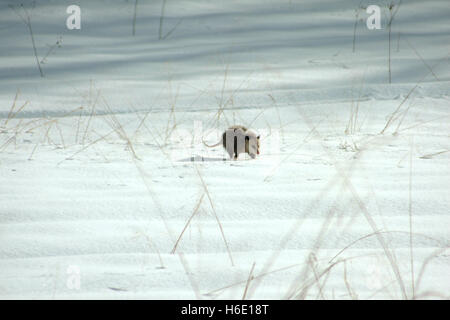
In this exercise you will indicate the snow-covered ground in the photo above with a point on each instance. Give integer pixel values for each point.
(107, 190)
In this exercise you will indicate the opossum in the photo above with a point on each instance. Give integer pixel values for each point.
(239, 139)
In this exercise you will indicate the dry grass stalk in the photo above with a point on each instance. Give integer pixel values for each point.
(199, 202)
(421, 59)
(355, 25)
(261, 275)
(354, 110)
(223, 104)
(37, 143)
(171, 121)
(60, 134)
(424, 266)
(349, 186)
(431, 155)
(301, 293)
(382, 232)
(394, 115)
(88, 145)
(161, 22)
(304, 141)
(78, 125)
(410, 218)
(250, 278)
(351, 293)
(12, 114)
(25, 16)
(47, 122)
(119, 129)
(312, 261)
(215, 215)
(180, 255)
(134, 18)
(8, 142)
(90, 118)
(392, 13)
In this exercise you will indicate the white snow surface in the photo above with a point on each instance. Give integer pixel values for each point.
(107, 191)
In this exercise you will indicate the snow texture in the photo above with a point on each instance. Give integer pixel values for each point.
(107, 191)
